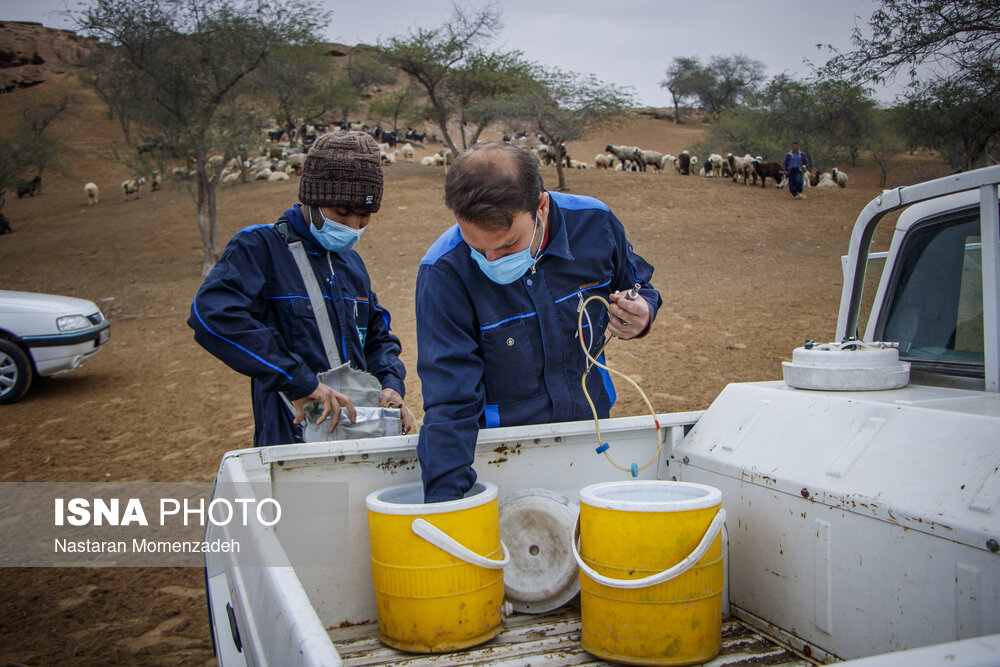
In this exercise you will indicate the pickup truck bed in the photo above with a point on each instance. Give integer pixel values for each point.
(550, 639)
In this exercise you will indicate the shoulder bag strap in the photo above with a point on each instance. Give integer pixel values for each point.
(318, 306)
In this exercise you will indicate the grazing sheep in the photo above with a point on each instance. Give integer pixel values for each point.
(683, 164)
(93, 193)
(740, 167)
(547, 155)
(839, 177)
(277, 176)
(604, 161)
(625, 154)
(132, 187)
(28, 187)
(768, 169)
(646, 158)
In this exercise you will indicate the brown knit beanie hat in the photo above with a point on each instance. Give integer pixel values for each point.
(343, 169)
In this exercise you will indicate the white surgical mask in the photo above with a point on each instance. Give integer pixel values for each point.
(334, 236)
(507, 269)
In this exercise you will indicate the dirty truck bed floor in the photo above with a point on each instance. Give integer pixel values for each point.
(547, 639)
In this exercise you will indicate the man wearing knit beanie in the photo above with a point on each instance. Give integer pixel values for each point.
(254, 312)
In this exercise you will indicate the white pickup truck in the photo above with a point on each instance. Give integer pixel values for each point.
(861, 525)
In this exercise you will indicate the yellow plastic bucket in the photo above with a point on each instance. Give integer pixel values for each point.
(437, 568)
(650, 560)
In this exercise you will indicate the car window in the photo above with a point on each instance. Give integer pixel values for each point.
(936, 307)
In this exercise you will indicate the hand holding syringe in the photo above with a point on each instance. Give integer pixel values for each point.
(628, 314)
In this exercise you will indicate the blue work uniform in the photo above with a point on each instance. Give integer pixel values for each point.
(253, 313)
(503, 355)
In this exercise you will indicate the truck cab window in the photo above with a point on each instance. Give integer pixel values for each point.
(936, 308)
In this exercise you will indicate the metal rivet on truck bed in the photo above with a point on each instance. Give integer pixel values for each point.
(805, 493)
(992, 545)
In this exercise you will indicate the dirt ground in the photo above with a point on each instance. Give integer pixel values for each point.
(746, 275)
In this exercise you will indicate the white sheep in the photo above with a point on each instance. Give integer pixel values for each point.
(668, 159)
(604, 161)
(93, 193)
(547, 155)
(826, 180)
(647, 158)
(277, 176)
(839, 177)
(428, 161)
(625, 154)
(230, 177)
(717, 162)
(387, 158)
(576, 164)
(263, 174)
(132, 187)
(407, 152)
(740, 167)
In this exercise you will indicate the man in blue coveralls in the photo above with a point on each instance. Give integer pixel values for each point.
(795, 163)
(254, 314)
(497, 302)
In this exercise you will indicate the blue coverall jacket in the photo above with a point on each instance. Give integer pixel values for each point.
(504, 355)
(253, 313)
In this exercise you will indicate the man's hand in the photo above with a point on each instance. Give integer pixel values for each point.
(331, 400)
(392, 399)
(627, 318)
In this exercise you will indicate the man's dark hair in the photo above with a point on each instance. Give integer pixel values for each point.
(490, 182)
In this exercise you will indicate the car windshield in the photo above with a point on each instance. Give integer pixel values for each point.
(936, 310)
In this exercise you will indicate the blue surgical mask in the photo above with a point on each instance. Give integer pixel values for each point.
(334, 236)
(507, 269)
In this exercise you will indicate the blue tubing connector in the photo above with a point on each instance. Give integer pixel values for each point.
(635, 469)
(603, 448)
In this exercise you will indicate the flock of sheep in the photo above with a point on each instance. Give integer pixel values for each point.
(278, 161)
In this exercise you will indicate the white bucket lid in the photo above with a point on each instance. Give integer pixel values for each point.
(650, 495)
(537, 527)
(409, 499)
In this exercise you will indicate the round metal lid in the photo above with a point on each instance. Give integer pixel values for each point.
(537, 526)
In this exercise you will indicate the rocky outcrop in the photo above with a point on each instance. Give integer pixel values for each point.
(30, 53)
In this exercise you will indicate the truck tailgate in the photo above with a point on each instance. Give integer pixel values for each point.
(550, 639)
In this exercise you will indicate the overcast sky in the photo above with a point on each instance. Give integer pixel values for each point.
(626, 42)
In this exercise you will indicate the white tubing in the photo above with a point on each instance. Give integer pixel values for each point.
(431, 533)
(652, 580)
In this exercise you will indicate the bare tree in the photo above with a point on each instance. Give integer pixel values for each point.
(566, 106)
(429, 55)
(681, 81)
(189, 60)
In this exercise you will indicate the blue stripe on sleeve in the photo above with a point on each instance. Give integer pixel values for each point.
(194, 307)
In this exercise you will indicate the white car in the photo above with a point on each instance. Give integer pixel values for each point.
(45, 334)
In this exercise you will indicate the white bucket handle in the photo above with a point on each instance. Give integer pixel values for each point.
(652, 580)
(431, 533)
